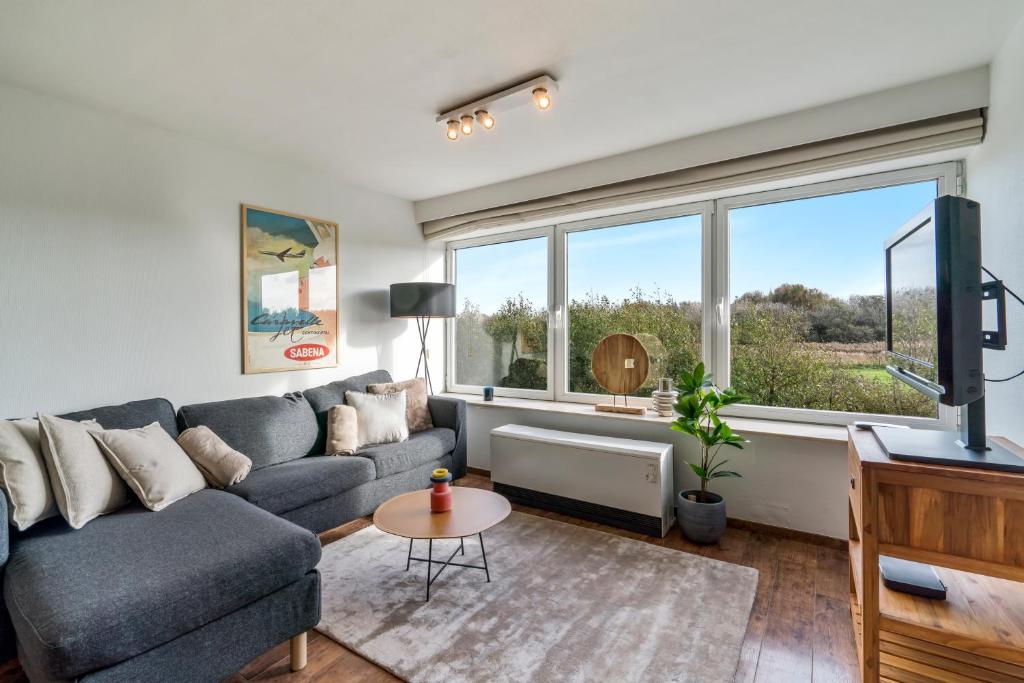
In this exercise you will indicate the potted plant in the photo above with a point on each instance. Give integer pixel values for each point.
(701, 513)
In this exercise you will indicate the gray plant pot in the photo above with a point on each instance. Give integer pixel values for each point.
(702, 523)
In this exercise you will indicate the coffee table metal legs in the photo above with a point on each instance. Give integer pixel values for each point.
(429, 559)
(484, 553)
(430, 563)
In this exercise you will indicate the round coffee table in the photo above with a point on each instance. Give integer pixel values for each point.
(473, 512)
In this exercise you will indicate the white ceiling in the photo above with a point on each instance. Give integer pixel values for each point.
(354, 86)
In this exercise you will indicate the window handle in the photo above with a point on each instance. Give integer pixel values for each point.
(720, 311)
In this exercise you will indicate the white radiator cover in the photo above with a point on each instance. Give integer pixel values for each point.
(623, 474)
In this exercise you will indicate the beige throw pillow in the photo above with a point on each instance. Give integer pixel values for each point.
(380, 418)
(220, 464)
(417, 413)
(342, 430)
(84, 484)
(151, 463)
(23, 474)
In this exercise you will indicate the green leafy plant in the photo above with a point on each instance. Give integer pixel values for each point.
(698, 406)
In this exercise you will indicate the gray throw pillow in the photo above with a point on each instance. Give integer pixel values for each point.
(84, 484)
(23, 474)
(151, 463)
(380, 417)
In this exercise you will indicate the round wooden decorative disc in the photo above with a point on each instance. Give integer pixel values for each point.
(620, 363)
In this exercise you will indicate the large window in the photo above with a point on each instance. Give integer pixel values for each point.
(807, 280)
(643, 279)
(501, 323)
(780, 293)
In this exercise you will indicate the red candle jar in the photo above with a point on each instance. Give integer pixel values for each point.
(441, 496)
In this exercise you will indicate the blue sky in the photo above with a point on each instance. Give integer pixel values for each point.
(833, 243)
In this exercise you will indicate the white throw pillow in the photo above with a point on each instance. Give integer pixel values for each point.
(152, 463)
(380, 417)
(85, 486)
(23, 474)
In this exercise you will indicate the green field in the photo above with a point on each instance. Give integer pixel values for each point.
(871, 372)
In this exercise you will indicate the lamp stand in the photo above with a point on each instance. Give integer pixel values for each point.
(422, 325)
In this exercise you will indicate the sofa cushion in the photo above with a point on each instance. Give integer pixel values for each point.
(267, 429)
(23, 474)
(220, 464)
(380, 418)
(131, 415)
(128, 582)
(417, 414)
(300, 482)
(84, 483)
(151, 463)
(421, 447)
(323, 398)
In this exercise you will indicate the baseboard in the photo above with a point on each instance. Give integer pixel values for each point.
(734, 522)
(789, 534)
(592, 512)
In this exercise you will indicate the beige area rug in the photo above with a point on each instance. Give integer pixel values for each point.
(564, 604)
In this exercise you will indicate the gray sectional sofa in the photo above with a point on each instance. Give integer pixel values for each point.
(193, 592)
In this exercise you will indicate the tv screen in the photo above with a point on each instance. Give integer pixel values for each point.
(914, 300)
(933, 301)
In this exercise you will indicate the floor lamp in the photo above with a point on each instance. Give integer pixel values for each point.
(423, 301)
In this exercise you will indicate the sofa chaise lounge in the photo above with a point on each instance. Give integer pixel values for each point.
(193, 592)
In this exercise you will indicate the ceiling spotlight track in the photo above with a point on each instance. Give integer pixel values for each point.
(460, 119)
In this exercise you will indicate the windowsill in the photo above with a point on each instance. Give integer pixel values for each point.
(743, 425)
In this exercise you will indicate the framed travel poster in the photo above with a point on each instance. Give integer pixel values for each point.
(289, 291)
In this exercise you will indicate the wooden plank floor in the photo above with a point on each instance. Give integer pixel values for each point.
(799, 629)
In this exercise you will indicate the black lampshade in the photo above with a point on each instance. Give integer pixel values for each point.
(422, 299)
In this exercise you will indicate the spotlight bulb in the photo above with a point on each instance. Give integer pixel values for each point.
(467, 124)
(485, 119)
(541, 98)
(453, 130)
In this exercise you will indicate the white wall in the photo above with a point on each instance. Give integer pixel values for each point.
(119, 262)
(786, 482)
(995, 177)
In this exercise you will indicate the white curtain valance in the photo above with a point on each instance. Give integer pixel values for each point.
(909, 139)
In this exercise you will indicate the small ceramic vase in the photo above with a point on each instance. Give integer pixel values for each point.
(441, 496)
(663, 400)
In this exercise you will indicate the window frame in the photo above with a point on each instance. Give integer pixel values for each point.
(451, 357)
(704, 209)
(945, 175)
(715, 289)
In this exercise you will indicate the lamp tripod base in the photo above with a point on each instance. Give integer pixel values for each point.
(422, 326)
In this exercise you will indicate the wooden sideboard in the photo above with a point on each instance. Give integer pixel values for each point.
(969, 524)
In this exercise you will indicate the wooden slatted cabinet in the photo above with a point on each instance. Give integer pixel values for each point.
(969, 524)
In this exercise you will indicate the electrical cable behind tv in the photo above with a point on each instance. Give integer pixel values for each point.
(1021, 301)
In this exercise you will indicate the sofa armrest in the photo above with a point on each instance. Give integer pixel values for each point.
(451, 413)
(7, 642)
(5, 534)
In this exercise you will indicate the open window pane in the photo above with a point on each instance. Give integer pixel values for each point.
(501, 324)
(643, 279)
(808, 309)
